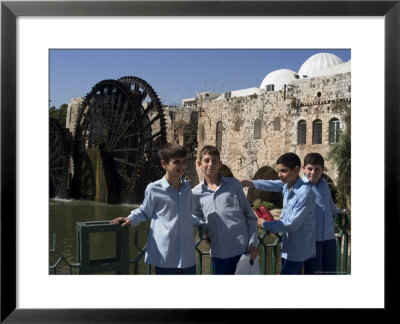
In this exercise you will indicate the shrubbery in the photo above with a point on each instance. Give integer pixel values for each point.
(258, 202)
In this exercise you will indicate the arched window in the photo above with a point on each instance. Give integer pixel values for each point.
(277, 124)
(317, 132)
(218, 139)
(334, 130)
(301, 132)
(225, 171)
(257, 129)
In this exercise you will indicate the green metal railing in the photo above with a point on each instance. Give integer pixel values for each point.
(269, 251)
(60, 260)
(202, 237)
(140, 256)
(271, 247)
(343, 265)
(119, 263)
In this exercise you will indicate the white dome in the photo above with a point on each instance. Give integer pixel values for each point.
(335, 69)
(317, 63)
(278, 78)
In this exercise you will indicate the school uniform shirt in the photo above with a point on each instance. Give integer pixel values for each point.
(230, 221)
(324, 210)
(170, 242)
(297, 222)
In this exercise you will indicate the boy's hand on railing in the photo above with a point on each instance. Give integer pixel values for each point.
(121, 220)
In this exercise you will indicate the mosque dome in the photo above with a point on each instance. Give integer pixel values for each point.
(277, 78)
(335, 69)
(317, 63)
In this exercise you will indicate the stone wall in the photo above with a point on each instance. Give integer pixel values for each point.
(176, 119)
(72, 113)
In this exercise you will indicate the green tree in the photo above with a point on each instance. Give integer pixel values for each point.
(340, 155)
(60, 114)
(191, 135)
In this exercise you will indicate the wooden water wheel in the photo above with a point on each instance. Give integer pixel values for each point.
(58, 158)
(124, 121)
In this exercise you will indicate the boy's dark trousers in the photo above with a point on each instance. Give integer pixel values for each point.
(225, 266)
(291, 267)
(175, 271)
(325, 260)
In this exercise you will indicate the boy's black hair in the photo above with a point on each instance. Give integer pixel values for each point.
(289, 160)
(314, 158)
(209, 149)
(171, 150)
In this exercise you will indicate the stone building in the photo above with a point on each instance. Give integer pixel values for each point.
(289, 112)
(72, 113)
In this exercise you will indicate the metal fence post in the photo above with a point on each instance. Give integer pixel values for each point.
(119, 264)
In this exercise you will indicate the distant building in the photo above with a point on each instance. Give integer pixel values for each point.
(189, 102)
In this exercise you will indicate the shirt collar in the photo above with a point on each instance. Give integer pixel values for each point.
(296, 186)
(305, 179)
(204, 184)
(165, 184)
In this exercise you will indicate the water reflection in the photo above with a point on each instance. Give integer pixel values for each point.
(63, 216)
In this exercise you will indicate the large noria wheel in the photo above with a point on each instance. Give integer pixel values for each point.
(58, 159)
(154, 130)
(152, 115)
(109, 124)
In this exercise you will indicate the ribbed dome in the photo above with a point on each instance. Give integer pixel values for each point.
(335, 69)
(317, 63)
(278, 78)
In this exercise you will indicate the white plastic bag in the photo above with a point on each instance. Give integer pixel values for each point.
(245, 267)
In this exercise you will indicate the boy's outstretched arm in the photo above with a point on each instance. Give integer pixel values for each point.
(247, 183)
(141, 214)
(334, 209)
(268, 185)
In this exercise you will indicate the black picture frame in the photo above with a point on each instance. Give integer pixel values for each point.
(10, 10)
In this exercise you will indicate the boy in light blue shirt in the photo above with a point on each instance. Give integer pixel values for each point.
(221, 204)
(325, 209)
(297, 221)
(168, 204)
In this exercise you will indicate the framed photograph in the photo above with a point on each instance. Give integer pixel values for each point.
(30, 28)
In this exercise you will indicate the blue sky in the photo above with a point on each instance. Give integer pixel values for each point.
(173, 74)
